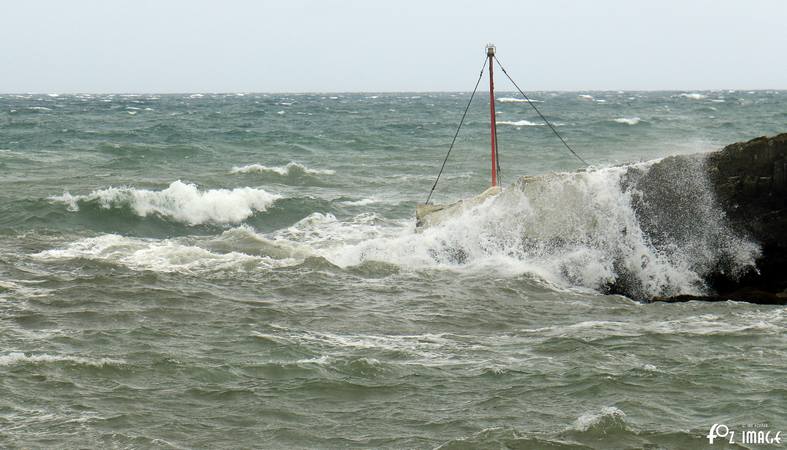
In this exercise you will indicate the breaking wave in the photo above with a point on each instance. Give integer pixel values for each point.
(234, 250)
(628, 120)
(517, 100)
(292, 168)
(519, 123)
(183, 202)
(693, 96)
(605, 428)
(605, 420)
(644, 230)
(361, 202)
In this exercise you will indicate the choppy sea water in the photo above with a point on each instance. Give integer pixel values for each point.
(242, 270)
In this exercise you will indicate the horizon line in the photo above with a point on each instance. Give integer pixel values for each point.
(51, 93)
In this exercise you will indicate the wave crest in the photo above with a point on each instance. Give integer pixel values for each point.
(628, 120)
(645, 230)
(607, 420)
(693, 96)
(519, 123)
(183, 202)
(20, 358)
(291, 169)
(517, 100)
(174, 255)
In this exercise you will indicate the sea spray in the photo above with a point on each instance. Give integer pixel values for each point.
(642, 230)
(183, 202)
(618, 229)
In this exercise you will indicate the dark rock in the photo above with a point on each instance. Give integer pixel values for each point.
(746, 294)
(748, 180)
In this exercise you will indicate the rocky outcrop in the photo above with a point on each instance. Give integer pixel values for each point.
(749, 180)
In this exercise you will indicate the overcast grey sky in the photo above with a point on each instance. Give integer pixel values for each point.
(393, 45)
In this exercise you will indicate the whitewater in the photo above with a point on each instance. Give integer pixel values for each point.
(224, 271)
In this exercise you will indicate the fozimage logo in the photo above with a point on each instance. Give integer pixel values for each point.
(747, 434)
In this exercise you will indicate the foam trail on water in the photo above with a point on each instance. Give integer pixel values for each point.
(179, 255)
(183, 202)
(14, 358)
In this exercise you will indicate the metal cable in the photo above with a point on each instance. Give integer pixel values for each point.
(539, 113)
(481, 74)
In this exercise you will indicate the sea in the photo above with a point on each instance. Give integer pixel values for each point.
(242, 270)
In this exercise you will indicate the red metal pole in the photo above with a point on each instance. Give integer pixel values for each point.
(490, 52)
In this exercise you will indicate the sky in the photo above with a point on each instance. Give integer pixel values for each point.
(163, 46)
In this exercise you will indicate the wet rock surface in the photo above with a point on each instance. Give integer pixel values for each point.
(749, 182)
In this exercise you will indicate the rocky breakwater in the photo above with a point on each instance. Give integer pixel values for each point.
(749, 182)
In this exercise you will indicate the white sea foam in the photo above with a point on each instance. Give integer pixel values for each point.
(292, 168)
(168, 255)
(183, 202)
(21, 358)
(595, 239)
(606, 419)
(320, 360)
(424, 349)
(585, 96)
(361, 202)
(628, 120)
(519, 123)
(517, 100)
(325, 234)
(693, 96)
(760, 322)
